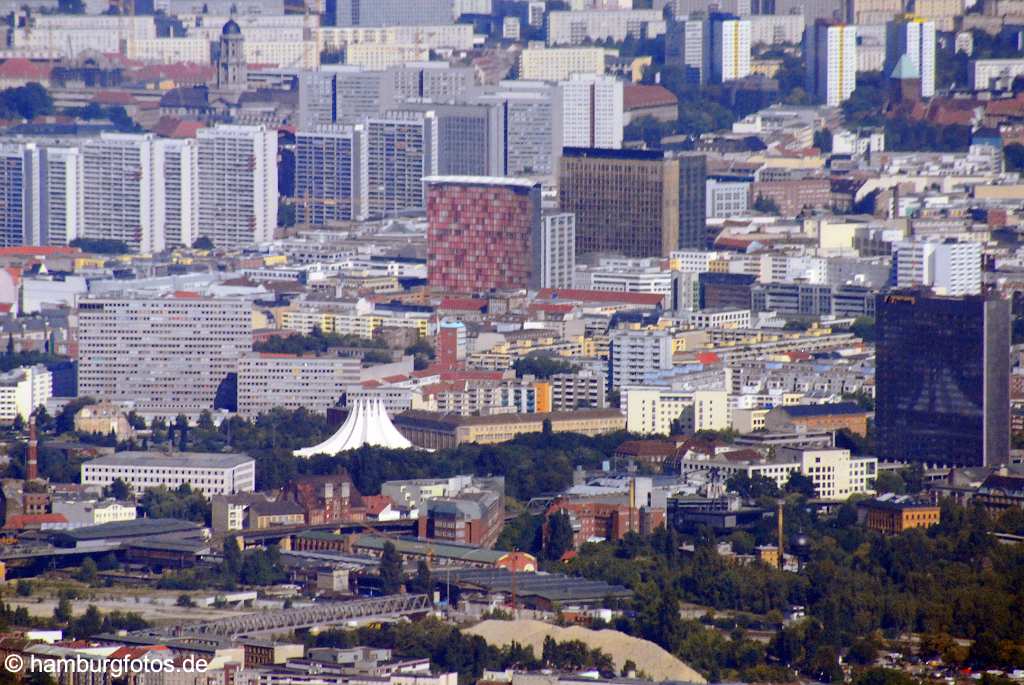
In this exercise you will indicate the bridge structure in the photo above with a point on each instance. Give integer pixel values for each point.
(321, 614)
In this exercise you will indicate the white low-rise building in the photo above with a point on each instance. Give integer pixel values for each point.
(92, 512)
(209, 473)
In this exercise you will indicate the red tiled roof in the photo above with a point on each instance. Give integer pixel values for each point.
(375, 504)
(25, 520)
(186, 295)
(467, 303)
(21, 68)
(708, 358)
(573, 294)
(113, 97)
(551, 308)
(37, 250)
(640, 96)
(172, 127)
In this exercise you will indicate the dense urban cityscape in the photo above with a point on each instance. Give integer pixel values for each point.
(511, 342)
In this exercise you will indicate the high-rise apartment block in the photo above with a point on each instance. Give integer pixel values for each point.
(18, 214)
(830, 50)
(634, 353)
(61, 194)
(181, 192)
(729, 48)
(592, 114)
(685, 47)
(330, 175)
(947, 267)
(314, 383)
(482, 233)
(558, 250)
(942, 379)
(237, 184)
(168, 355)
(40, 194)
(401, 149)
(638, 203)
(123, 192)
(576, 27)
(389, 12)
(913, 38)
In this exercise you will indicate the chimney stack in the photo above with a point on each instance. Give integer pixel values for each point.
(32, 458)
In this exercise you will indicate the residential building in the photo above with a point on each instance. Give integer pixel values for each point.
(374, 13)
(181, 192)
(62, 195)
(634, 353)
(559, 64)
(913, 37)
(237, 185)
(331, 175)
(211, 474)
(19, 191)
(557, 250)
(950, 406)
(483, 233)
(122, 191)
(592, 115)
(577, 390)
(994, 74)
(22, 390)
(947, 267)
(653, 410)
(685, 48)
(576, 27)
(167, 355)
(729, 48)
(314, 383)
(830, 50)
(625, 201)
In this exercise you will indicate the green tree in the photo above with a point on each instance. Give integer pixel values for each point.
(87, 571)
(560, 536)
(88, 624)
(63, 612)
(800, 484)
(766, 205)
(203, 243)
(421, 583)
(118, 489)
(390, 569)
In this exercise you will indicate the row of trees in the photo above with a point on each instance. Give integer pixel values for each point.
(951, 581)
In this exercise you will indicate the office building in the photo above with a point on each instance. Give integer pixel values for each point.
(181, 192)
(692, 201)
(373, 13)
(624, 201)
(470, 138)
(685, 48)
(726, 198)
(831, 59)
(891, 515)
(632, 354)
(22, 390)
(331, 181)
(266, 381)
(317, 103)
(729, 48)
(559, 64)
(947, 267)
(942, 379)
(167, 355)
(237, 185)
(482, 233)
(532, 115)
(123, 192)
(913, 38)
(558, 250)
(401, 149)
(581, 389)
(592, 114)
(210, 474)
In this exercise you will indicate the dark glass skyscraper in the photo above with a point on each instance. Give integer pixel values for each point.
(942, 379)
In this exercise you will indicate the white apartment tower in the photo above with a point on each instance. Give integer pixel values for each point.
(557, 250)
(592, 113)
(62, 194)
(635, 353)
(914, 37)
(123, 193)
(19, 214)
(685, 48)
(237, 184)
(730, 49)
(948, 267)
(181, 192)
(831, 54)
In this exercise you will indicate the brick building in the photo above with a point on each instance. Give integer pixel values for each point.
(794, 195)
(483, 233)
(830, 417)
(609, 521)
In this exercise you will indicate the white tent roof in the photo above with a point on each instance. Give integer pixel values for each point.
(367, 424)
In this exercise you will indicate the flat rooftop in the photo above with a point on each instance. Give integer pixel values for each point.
(192, 460)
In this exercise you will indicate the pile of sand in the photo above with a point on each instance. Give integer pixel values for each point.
(648, 657)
